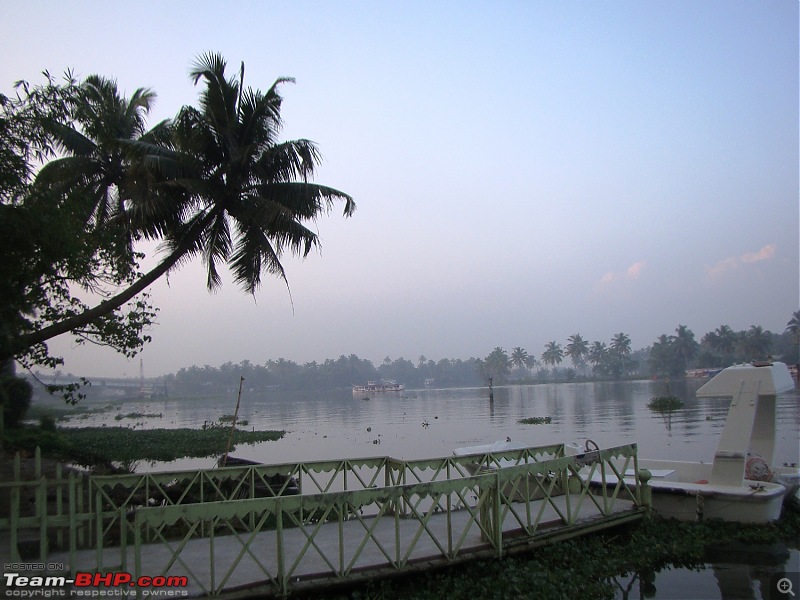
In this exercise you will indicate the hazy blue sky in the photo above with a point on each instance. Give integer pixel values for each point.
(524, 171)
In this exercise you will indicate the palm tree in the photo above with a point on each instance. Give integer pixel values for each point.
(756, 343)
(598, 356)
(519, 357)
(793, 327)
(577, 349)
(621, 346)
(553, 354)
(94, 169)
(495, 366)
(222, 187)
(531, 362)
(685, 344)
(724, 342)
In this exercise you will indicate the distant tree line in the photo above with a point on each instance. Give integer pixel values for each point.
(343, 372)
(669, 356)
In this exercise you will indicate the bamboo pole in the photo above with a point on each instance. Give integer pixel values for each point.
(233, 425)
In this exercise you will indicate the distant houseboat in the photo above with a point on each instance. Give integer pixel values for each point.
(375, 387)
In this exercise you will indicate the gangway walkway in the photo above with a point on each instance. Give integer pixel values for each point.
(351, 520)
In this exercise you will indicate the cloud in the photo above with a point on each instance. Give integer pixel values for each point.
(635, 270)
(632, 272)
(732, 262)
(766, 253)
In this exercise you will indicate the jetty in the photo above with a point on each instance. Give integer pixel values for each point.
(274, 530)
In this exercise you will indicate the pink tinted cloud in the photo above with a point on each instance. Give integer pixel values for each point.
(632, 272)
(733, 262)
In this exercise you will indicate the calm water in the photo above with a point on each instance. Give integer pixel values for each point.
(431, 422)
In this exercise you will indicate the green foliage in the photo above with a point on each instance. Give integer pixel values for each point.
(96, 445)
(215, 182)
(535, 421)
(15, 397)
(53, 249)
(665, 403)
(495, 366)
(47, 423)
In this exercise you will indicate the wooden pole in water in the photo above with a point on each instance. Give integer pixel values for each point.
(233, 425)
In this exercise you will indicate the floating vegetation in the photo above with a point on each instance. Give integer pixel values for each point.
(61, 413)
(536, 421)
(230, 418)
(138, 415)
(95, 445)
(665, 403)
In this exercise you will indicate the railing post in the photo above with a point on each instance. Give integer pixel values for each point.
(282, 587)
(73, 524)
(59, 505)
(646, 492)
(137, 551)
(490, 510)
(15, 516)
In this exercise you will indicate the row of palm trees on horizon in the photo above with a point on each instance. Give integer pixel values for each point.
(668, 355)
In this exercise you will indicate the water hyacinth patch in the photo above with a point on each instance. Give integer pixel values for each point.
(124, 444)
(535, 421)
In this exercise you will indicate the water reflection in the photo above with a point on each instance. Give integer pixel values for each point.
(334, 424)
(322, 426)
(742, 572)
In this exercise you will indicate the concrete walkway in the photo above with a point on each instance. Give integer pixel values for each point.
(236, 572)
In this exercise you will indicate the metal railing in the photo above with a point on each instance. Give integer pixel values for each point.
(278, 528)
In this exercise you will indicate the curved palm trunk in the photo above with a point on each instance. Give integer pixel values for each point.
(105, 307)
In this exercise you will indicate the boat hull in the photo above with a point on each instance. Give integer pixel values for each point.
(680, 490)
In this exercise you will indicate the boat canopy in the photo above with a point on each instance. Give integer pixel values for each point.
(749, 432)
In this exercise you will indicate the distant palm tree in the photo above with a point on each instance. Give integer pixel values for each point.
(621, 347)
(531, 362)
(577, 349)
(598, 357)
(553, 354)
(723, 341)
(685, 344)
(519, 357)
(756, 343)
(793, 327)
(496, 365)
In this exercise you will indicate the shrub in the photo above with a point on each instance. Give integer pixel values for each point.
(15, 395)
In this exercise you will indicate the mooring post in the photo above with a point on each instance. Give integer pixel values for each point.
(645, 489)
(491, 391)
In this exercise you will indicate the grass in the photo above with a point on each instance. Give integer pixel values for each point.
(101, 445)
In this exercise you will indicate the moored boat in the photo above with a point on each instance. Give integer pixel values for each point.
(740, 484)
(378, 387)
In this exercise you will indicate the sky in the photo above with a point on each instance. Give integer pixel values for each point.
(523, 171)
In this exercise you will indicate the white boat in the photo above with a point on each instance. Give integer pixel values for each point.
(740, 484)
(375, 387)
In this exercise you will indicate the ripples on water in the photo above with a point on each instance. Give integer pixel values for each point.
(431, 422)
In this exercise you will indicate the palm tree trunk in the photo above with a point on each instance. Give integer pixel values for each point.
(107, 306)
